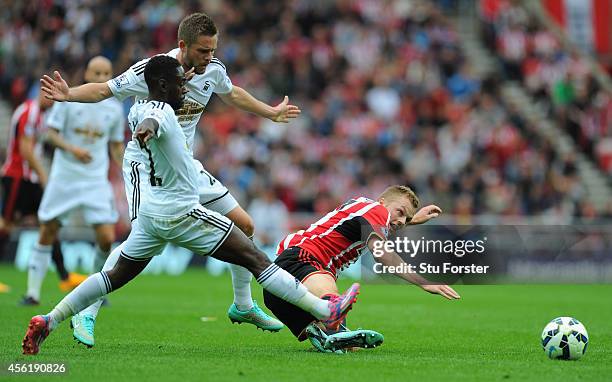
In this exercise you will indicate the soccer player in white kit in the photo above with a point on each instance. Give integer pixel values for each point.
(171, 212)
(82, 134)
(197, 42)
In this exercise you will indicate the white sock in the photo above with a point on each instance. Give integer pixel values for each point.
(241, 282)
(37, 269)
(110, 262)
(94, 287)
(100, 259)
(283, 285)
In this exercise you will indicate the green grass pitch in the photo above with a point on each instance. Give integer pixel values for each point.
(153, 331)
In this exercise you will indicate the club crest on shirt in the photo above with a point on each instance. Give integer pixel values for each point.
(120, 81)
(385, 231)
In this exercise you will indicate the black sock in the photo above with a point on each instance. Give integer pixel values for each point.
(58, 259)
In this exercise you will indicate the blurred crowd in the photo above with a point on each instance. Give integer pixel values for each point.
(385, 91)
(561, 80)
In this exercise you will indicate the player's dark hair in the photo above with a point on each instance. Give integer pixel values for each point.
(194, 26)
(159, 67)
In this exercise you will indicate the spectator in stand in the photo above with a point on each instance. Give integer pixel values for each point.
(560, 79)
(385, 96)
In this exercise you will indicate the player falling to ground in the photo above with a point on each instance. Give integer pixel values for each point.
(197, 42)
(82, 134)
(23, 179)
(172, 213)
(314, 256)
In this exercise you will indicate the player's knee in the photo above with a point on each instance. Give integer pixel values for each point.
(242, 220)
(105, 239)
(105, 242)
(48, 233)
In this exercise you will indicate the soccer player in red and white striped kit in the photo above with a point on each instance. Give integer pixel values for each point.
(315, 255)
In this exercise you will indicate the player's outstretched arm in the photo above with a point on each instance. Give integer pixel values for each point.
(117, 149)
(390, 258)
(26, 150)
(240, 98)
(57, 89)
(425, 214)
(54, 137)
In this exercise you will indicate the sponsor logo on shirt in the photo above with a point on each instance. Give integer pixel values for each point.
(89, 133)
(190, 111)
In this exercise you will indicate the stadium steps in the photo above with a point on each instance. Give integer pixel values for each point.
(483, 64)
(593, 179)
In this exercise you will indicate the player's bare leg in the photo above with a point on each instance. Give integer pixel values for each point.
(68, 280)
(48, 232)
(244, 309)
(58, 259)
(105, 236)
(238, 249)
(96, 286)
(242, 220)
(321, 284)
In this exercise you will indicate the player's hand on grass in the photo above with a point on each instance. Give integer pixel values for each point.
(425, 214)
(81, 154)
(284, 111)
(443, 290)
(54, 88)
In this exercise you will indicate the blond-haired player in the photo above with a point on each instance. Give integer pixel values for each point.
(316, 255)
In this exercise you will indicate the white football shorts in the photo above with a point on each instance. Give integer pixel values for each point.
(94, 198)
(200, 231)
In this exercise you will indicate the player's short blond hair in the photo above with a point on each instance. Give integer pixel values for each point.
(397, 191)
(194, 26)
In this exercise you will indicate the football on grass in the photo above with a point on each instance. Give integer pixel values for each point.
(565, 338)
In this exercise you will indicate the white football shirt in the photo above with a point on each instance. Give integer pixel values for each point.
(90, 127)
(172, 176)
(199, 90)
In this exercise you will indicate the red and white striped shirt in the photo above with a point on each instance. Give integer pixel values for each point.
(337, 239)
(26, 121)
